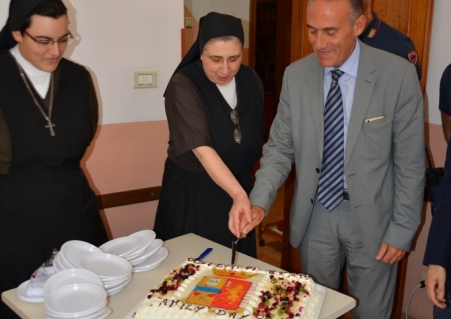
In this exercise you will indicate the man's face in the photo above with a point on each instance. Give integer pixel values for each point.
(45, 58)
(330, 32)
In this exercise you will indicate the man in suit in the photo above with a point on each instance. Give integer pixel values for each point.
(438, 250)
(380, 185)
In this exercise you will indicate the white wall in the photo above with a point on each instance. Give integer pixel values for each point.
(117, 37)
(439, 56)
(4, 7)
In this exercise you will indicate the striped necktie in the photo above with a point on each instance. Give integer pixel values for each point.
(330, 187)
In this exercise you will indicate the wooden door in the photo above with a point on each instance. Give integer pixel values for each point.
(269, 48)
(411, 17)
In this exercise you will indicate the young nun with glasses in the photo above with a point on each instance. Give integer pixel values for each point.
(214, 107)
(48, 117)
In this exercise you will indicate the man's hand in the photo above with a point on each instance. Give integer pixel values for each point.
(239, 223)
(390, 254)
(435, 285)
(257, 215)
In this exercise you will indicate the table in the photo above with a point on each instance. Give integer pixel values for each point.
(180, 248)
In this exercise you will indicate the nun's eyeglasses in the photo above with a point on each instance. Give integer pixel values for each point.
(48, 43)
(236, 121)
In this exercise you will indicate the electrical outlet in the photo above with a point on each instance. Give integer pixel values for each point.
(423, 276)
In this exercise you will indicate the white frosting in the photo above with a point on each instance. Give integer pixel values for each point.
(172, 303)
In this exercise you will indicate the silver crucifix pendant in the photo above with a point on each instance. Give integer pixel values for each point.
(50, 127)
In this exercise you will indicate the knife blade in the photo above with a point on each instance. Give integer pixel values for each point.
(234, 244)
(205, 253)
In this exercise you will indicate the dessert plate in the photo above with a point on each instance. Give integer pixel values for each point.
(121, 246)
(22, 293)
(147, 237)
(107, 266)
(156, 258)
(149, 251)
(115, 290)
(90, 299)
(146, 269)
(74, 250)
(71, 276)
(56, 264)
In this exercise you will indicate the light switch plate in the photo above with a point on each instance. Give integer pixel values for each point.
(145, 79)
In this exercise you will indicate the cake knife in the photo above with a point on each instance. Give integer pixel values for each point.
(205, 253)
(234, 243)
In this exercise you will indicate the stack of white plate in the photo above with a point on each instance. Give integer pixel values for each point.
(72, 252)
(142, 249)
(75, 293)
(115, 271)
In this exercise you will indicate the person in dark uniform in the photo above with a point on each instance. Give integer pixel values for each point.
(381, 36)
(214, 107)
(48, 117)
(438, 249)
(444, 103)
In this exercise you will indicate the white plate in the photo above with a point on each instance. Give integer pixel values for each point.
(101, 314)
(156, 258)
(147, 237)
(71, 276)
(121, 246)
(75, 299)
(149, 251)
(115, 290)
(146, 269)
(107, 266)
(73, 251)
(62, 262)
(107, 282)
(22, 293)
(113, 284)
(56, 264)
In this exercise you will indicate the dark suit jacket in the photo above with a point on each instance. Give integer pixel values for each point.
(438, 248)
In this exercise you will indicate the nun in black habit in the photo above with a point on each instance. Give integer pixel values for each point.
(48, 117)
(214, 107)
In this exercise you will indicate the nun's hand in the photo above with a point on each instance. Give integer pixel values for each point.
(240, 213)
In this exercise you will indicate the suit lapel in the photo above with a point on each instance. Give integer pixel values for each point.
(315, 91)
(363, 91)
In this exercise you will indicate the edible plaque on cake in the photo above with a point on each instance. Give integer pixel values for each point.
(199, 289)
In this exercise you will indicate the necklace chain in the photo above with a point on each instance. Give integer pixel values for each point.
(47, 117)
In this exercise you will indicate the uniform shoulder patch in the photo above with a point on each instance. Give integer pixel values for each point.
(413, 57)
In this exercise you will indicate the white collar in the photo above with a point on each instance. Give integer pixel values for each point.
(351, 66)
(40, 79)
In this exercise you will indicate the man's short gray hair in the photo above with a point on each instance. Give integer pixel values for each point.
(356, 9)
